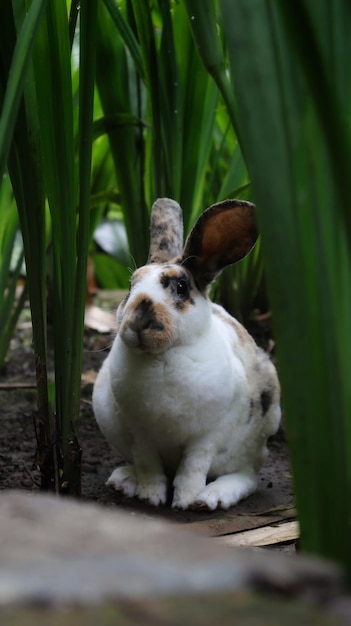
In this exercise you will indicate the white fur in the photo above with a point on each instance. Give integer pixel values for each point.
(190, 411)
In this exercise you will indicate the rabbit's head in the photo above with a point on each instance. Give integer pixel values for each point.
(167, 304)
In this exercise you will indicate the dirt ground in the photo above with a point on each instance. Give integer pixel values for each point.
(274, 496)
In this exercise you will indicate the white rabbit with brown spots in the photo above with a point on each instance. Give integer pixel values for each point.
(185, 395)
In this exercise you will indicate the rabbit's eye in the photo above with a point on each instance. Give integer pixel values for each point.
(182, 287)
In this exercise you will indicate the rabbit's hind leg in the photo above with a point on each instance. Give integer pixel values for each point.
(226, 491)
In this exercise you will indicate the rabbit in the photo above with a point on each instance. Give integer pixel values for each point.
(185, 393)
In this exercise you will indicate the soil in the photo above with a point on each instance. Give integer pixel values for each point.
(18, 444)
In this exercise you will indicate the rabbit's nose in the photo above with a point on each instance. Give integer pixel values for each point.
(146, 326)
(144, 317)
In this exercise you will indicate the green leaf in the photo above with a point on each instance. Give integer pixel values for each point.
(202, 18)
(25, 168)
(114, 87)
(17, 72)
(109, 273)
(72, 384)
(127, 34)
(108, 124)
(301, 203)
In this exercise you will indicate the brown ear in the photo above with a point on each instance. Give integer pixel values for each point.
(166, 231)
(222, 235)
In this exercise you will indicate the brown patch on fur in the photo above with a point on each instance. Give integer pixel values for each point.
(172, 272)
(150, 323)
(164, 318)
(139, 275)
(243, 336)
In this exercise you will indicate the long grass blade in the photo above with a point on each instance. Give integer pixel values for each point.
(202, 18)
(300, 206)
(114, 84)
(86, 105)
(25, 170)
(146, 35)
(54, 91)
(127, 34)
(326, 47)
(17, 73)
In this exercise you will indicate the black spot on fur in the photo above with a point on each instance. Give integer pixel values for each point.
(165, 280)
(251, 410)
(160, 229)
(266, 401)
(180, 287)
(164, 244)
(145, 306)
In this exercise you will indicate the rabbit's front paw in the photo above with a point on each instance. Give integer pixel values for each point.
(186, 490)
(124, 481)
(153, 490)
(225, 491)
(184, 499)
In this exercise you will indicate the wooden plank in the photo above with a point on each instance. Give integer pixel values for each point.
(88, 378)
(18, 385)
(220, 523)
(265, 536)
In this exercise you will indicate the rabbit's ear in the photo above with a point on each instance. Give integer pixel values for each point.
(166, 231)
(222, 235)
